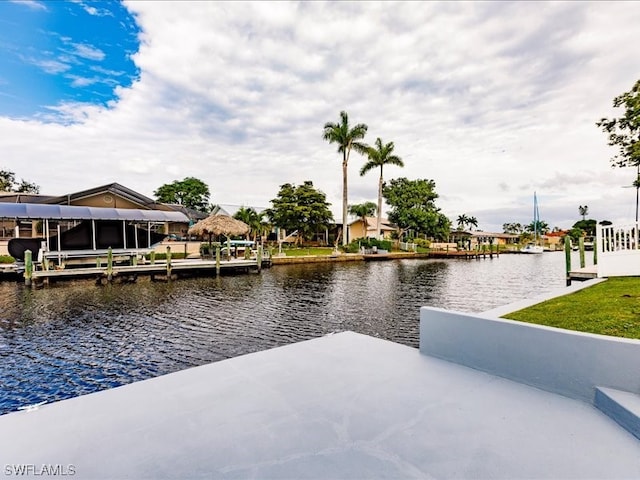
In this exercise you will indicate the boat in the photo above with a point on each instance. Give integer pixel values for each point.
(533, 247)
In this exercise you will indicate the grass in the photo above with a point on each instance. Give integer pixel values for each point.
(7, 259)
(608, 308)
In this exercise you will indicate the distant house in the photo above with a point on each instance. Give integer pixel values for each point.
(112, 195)
(473, 239)
(368, 229)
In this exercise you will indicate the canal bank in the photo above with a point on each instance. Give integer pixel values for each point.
(344, 257)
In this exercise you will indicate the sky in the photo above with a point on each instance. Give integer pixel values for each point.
(492, 100)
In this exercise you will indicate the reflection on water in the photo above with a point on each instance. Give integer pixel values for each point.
(75, 338)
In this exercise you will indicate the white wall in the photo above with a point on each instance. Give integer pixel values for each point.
(556, 360)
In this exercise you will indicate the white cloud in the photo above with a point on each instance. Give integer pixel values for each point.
(51, 66)
(493, 100)
(88, 51)
(32, 4)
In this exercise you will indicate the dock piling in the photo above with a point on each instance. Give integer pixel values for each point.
(259, 257)
(217, 260)
(581, 248)
(567, 256)
(28, 267)
(168, 262)
(109, 264)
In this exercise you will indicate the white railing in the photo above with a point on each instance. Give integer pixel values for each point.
(408, 247)
(618, 250)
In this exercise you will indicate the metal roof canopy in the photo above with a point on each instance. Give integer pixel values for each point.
(36, 211)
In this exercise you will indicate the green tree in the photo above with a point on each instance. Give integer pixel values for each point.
(302, 208)
(624, 132)
(379, 156)
(462, 221)
(251, 218)
(587, 226)
(8, 183)
(540, 226)
(191, 192)
(513, 228)
(347, 138)
(413, 207)
(362, 211)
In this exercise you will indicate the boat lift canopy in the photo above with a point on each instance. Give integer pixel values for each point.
(37, 211)
(47, 212)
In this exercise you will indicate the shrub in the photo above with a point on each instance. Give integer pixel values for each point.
(354, 247)
(7, 259)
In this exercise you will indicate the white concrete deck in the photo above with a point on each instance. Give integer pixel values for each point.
(346, 406)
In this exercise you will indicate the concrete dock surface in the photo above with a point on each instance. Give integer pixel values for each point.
(344, 406)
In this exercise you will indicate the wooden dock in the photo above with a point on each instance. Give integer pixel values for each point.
(586, 273)
(156, 271)
(468, 254)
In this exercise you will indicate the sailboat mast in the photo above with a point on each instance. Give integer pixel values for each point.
(535, 218)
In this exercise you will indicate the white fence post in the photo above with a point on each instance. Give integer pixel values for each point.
(618, 250)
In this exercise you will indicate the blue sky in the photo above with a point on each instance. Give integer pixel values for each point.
(492, 100)
(63, 52)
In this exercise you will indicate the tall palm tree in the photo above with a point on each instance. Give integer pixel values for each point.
(379, 156)
(462, 221)
(472, 222)
(346, 138)
(583, 210)
(362, 211)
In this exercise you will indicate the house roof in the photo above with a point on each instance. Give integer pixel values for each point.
(114, 188)
(372, 223)
(40, 211)
(19, 197)
(231, 210)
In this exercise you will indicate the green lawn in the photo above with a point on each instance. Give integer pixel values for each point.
(608, 308)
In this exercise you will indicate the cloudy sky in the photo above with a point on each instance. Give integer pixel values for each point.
(492, 100)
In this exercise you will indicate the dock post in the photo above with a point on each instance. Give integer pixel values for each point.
(152, 257)
(28, 267)
(259, 257)
(109, 264)
(595, 254)
(567, 257)
(581, 247)
(168, 263)
(217, 260)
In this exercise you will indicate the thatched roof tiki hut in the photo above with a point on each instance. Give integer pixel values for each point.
(219, 225)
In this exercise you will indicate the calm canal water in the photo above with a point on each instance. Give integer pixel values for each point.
(74, 338)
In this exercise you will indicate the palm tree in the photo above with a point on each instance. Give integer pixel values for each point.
(462, 220)
(251, 218)
(362, 211)
(379, 156)
(346, 138)
(472, 222)
(583, 210)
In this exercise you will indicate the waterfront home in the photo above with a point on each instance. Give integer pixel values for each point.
(369, 227)
(112, 195)
(475, 239)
